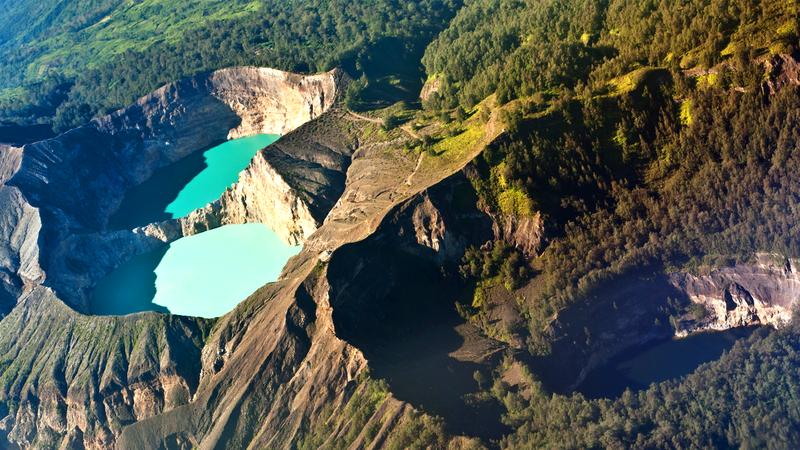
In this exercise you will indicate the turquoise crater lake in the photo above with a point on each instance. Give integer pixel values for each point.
(223, 164)
(188, 184)
(204, 275)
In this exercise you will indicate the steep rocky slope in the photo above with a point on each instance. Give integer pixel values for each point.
(291, 186)
(765, 292)
(79, 380)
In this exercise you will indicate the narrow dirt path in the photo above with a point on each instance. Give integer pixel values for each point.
(407, 129)
(362, 117)
(416, 168)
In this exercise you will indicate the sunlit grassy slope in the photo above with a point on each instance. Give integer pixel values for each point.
(54, 36)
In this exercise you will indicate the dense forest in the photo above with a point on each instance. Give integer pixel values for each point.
(659, 194)
(117, 59)
(517, 48)
(651, 139)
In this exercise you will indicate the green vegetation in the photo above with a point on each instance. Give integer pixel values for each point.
(501, 261)
(415, 430)
(637, 165)
(518, 48)
(103, 56)
(357, 413)
(515, 202)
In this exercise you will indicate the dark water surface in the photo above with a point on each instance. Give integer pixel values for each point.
(147, 202)
(130, 288)
(638, 368)
(18, 135)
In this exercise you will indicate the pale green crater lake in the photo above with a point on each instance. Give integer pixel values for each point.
(205, 275)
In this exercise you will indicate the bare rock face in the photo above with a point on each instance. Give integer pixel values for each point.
(523, 232)
(782, 70)
(261, 195)
(764, 293)
(10, 158)
(20, 225)
(431, 87)
(272, 101)
(291, 186)
(443, 221)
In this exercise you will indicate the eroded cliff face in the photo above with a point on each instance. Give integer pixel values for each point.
(10, 158)
(271, 101)
(20, 225)
(291, 186)
(781, 70)
(765, 292)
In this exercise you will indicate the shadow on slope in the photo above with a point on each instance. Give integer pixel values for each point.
(147, 202)
(399, 310)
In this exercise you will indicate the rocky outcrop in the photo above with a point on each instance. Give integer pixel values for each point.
(271, 101)
(781, 70)
(432, 86)
(19, 228)
(291, 186)
(766, 292)
(20, 225)
(525, 233)
(10, 158)
(440, 223)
